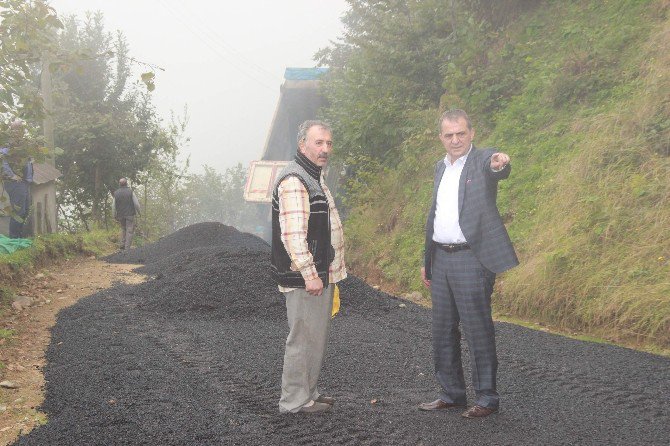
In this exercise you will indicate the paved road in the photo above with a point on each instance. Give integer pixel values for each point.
(194, 357)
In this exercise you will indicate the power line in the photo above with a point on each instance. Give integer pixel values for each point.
(234, 63)
(218, 39)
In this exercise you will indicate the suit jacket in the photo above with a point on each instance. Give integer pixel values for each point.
(479, 218)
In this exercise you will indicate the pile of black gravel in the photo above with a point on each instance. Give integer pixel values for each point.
(194, 357)
(201, 235)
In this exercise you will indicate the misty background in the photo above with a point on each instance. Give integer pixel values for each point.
(224, 61)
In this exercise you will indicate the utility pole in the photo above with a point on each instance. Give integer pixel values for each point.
(50, 208)
(47, 100)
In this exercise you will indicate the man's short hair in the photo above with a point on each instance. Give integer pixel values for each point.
(305, 126)
(123, 182)
(453, 115)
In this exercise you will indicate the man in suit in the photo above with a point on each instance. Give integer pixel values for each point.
(466, 246)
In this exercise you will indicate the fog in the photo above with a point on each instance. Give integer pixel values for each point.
(225, 60)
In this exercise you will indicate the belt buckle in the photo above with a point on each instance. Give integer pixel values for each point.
(452, 247)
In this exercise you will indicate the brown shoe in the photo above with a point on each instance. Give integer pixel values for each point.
(325, 399)
(478, 412)
(315, 408)
(438, 405)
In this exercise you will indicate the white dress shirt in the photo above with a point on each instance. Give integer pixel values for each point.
(446, 228)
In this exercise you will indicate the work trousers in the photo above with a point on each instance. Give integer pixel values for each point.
(309, 324)
(127, 231)
(461, 291)
(19, 198)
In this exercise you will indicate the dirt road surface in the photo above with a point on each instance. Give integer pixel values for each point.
(50, 290)
(193, 356)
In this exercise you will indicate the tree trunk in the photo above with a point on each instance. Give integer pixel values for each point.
(82, 217)
(145, 211)
(95, 210)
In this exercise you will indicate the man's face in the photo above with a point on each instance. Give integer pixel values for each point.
(456, 137)
(317, 145)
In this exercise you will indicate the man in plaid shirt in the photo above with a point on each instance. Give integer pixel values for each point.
(307, 262)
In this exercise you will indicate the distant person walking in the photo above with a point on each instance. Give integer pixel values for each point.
(466, 246)
(17, 179)
(307, 260)
(126, 208)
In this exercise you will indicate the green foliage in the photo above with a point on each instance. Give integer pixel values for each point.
(148, 79)
(6, 333)
(160, 186)
(576, 93)
(387, 69)
(50, 247)
(109, 129)
(212, 196)
(172, 198)
(99, 242)
(26, 33)
(6, 296)
(15, 265)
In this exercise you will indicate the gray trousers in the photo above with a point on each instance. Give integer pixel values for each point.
(127, 231)
(461, 291)
(309, 324)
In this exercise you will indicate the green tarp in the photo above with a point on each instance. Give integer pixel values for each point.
(9, 245)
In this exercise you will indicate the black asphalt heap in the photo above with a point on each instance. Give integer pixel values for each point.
(194, 357)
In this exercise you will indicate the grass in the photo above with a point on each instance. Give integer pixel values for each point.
(6, 296)
(587, 123)
(47, 249)
(595, 253)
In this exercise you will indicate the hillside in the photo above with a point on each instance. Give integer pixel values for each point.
(578, 93)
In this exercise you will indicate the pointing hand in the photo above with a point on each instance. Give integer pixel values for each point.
(499, 160)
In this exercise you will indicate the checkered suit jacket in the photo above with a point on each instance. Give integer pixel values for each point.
(479, 218)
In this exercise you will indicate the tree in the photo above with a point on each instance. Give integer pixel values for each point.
(103, 123)
(27, 32)
(162, 182)
(27, 35)
(387, 67)
(212, 196)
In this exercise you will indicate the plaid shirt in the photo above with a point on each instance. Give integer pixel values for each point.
(293, 218)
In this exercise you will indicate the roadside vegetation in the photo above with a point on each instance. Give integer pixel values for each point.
(575, 92)
(46, 250)
(106, 126)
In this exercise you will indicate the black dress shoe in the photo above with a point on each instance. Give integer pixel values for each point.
(438, 405)
(315, 408)
(479, 412)
(325, 399)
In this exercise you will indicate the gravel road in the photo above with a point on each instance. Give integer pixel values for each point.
(194, 357)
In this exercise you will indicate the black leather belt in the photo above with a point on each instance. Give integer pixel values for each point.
(452, 247)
